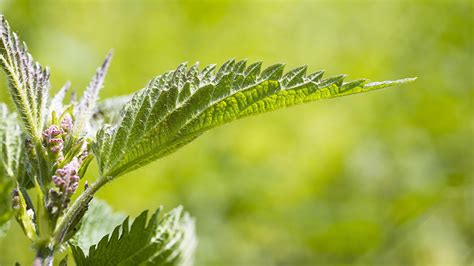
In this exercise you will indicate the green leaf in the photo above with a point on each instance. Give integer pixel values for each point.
(24, 214)
(169, 241)
(11, 144)
(108, 111)
(63, 262)
(56, 105)
(94, 226)
(4, 228)
(178, 106)
(6, 211)
(28, 81)
(11, 155)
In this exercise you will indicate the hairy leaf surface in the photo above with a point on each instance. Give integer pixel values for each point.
(11, 152)
(178, 106)
(108, 111)
(169, 241)
(11, 144)
(56, 105)
(85, 109)
(28, 81)
(98, 221)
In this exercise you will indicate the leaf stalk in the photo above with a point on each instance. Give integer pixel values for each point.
(73, 215)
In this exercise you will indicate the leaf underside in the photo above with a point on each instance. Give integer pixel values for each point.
(178, 106)
(169, 241)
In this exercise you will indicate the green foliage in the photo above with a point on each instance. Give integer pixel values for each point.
(291, 187)
(4, 228)
(54, 149)
(57, 102)
(11, 144)
(6, 187)
(93, 226)
(166, 241)
(11, 151)
(86, 107)
(178, 106)
(28, 81)
(108, 111)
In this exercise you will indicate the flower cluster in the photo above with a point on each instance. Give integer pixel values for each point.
(66, 179)
(53, 139)
(66, 182)
(66, 124)
(54, 136)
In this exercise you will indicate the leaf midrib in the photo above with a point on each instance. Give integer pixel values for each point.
(165, 146)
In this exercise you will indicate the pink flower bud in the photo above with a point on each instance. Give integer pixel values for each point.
(53, 139)
(57, 148)
(66, 123)
(61, 172)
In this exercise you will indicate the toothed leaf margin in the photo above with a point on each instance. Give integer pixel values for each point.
(180, 105)
(167, 241)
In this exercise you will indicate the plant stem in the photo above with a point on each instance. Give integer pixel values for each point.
(75, 210)
(44, 257)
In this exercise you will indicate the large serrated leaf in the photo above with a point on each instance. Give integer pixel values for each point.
(174, 108)
(98, 221)
(167, 241)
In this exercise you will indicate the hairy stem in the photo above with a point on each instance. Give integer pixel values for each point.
(44, 257)
(75, 210)
(43, 169)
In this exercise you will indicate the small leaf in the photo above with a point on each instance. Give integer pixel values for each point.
(11, 145)
(56, 104)
(11, 158)
(24, 214)
(85, 109)
(174, 108)
(108, 111)
(28, 81)
(167, 241)
(6, 187)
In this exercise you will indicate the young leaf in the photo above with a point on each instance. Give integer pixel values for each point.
(178, 106)
(11, 144)
(10, 160)
(85, 109)
(28, 81)
(108, 111)
(56, 104)
(169, 241)
(94, 226)
(6, 187)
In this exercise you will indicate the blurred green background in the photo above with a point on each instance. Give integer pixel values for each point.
(384, 178)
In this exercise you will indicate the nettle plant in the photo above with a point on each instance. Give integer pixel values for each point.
(47, 146)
